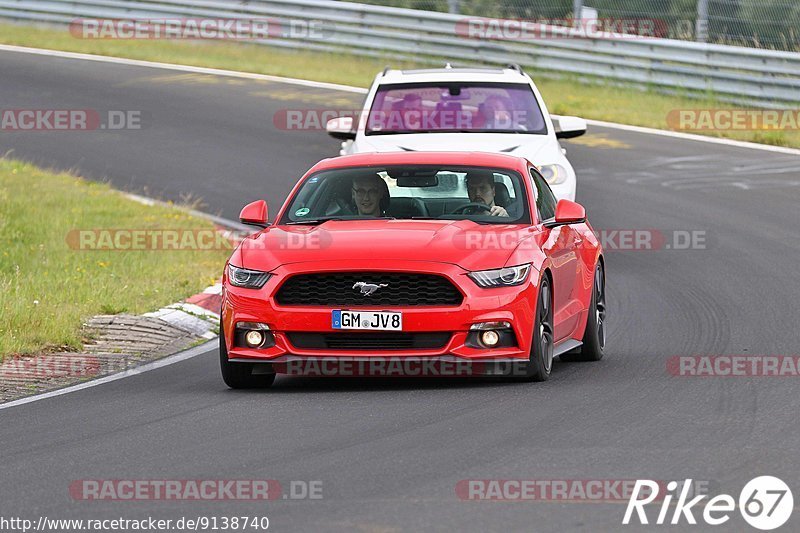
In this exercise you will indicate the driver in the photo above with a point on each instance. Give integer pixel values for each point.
(370, 195)
(481, 190)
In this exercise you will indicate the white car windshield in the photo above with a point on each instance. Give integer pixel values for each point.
(455, 107)
(483, 195)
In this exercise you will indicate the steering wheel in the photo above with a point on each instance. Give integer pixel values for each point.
(472, 206)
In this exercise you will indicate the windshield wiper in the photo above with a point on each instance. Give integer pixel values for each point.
(311, 222)
(451, 130)
(481, 222)
(321, 220)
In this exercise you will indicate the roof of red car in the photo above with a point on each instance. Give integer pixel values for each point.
(481, 159)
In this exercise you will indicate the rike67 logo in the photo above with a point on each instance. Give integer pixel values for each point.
(766, 503)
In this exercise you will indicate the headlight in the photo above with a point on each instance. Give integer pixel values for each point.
(553, 174)
(249, 279)
(502, 277)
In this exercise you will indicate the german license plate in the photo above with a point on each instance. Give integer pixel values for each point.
(369, 320)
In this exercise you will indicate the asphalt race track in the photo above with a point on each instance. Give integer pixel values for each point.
(389, 452)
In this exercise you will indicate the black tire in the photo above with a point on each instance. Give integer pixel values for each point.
(594, 338)
(542, 344)
(240, 375)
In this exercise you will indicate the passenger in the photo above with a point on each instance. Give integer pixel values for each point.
(496, 113)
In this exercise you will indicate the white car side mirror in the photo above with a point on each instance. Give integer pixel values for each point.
(569, 127)
(341, 128)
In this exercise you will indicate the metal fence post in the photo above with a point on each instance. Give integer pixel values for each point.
(453, 7)
(701, 25)
(577, 7)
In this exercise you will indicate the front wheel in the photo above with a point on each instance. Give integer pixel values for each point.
(540, 365)
(240, 375)
(594, 338)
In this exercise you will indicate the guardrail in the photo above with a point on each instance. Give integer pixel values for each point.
(739, 75)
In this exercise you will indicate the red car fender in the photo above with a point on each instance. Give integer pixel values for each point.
(590, 253)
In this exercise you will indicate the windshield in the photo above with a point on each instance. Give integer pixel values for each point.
(484, 195)
(455, 107)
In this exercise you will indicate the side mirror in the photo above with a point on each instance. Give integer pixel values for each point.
(570, 127)
(567, 212)
(255, 214)
(341, 128)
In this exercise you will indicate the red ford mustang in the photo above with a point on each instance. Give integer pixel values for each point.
(440, 263)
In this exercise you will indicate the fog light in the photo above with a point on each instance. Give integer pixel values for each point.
(254, 338)
(490, 338)
(483, 326)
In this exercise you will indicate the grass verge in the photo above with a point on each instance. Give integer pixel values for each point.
(563, 96)
(48, 287)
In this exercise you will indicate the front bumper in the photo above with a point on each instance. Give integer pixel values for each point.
(514, 305)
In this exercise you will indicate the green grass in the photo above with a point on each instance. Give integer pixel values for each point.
(232, 56)
(563, 96)
(48, 288)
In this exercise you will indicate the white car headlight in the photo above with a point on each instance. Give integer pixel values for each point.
(553, 174)
(501, 277)
(248, 279)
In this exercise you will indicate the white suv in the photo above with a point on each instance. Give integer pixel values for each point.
(462, 110)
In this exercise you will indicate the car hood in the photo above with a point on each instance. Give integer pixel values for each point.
(464, 243)
(519, 144)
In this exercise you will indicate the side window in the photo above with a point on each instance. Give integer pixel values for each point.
(545, 201)
(508, 182)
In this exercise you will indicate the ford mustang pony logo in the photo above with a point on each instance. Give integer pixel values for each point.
(368, 288)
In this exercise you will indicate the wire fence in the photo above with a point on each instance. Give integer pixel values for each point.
(769, 24)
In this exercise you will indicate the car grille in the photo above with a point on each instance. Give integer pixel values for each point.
(336, 289)
(390, 340)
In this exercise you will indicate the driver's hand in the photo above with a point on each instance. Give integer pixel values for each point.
(498, 211)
